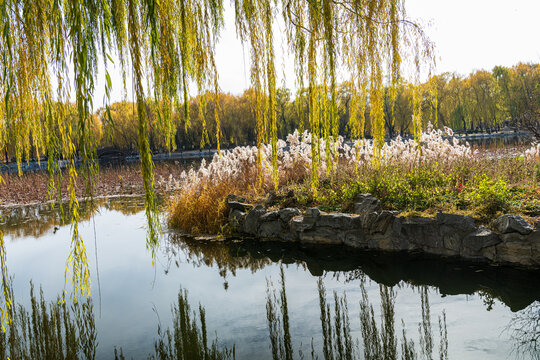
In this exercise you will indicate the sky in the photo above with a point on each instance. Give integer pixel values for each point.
(469, 35)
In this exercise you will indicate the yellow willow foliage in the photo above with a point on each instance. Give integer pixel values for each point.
(49, 54)
(434, 100)
(369, 36)
(5, 310)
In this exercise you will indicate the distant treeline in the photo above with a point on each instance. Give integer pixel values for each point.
(481, 101)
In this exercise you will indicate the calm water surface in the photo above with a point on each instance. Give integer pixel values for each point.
(484, 306)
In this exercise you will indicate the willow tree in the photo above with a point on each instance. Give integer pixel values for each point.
(51, 50)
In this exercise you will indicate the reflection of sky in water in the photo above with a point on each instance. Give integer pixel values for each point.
(132, 293)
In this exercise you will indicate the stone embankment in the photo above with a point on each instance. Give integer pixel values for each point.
(510, 240)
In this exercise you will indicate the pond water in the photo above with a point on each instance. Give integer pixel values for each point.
(480, 312)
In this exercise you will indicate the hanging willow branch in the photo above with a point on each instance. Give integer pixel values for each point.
(50, 50)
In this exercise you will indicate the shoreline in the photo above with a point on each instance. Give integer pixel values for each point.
(509, 240)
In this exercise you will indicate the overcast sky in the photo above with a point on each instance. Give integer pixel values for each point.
(468, 35)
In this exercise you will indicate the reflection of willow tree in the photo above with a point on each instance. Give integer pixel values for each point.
(379, 341)
(188, 338)
(50, 330)
(524, 330)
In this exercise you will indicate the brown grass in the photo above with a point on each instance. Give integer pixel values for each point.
(32, 187)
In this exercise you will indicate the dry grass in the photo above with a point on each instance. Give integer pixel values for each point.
(32, 187)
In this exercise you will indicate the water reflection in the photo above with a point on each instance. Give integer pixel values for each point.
(49, 330)
(189, 338)
(57, 331)
(515, 287)
(318, 323)
(38, 219)
(509, 142)
(379, 340)
(524, 331)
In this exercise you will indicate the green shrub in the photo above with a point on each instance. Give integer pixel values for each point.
(490, 196)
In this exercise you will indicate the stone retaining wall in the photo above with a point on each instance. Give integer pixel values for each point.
(511, 241)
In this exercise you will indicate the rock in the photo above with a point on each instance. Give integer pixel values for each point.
(312, 213)
(300, 224)
(236, 205)
(297, 225)
(269, 228)
(251, 221)
(512, 223)
(462, 223)
(287, 214)
(535, 246)
(515, 237)
(310, 217)
(453, 228)
(537, 224)
(335, 221)
(366, 203)
(269, 216)
(382, 221)
(516, 248)
(473, 243)
(452, 240)
(320, 235)
(365, 221)
(269, 225)
(422, 233)
(233, 197)
(355, 238)
(236, 219)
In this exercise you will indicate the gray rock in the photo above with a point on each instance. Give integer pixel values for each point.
(422, 233)
(321, 235)
(236, 219)
(512, 223)
(515, 237)
(336, 221)
(535, 246)
(515, 248)
(251, 221)
(235, 205)
(451, 239)
(355, 238)
(366, 203)
(537, 224)
(297, 225)
(312, 213)
(482, 238)
(288, 213)
(270, 229)
(269, 216)
(269, 225)
(382, 222)
(364, 221)
(311, 216)
(462, 223)
(453, 228)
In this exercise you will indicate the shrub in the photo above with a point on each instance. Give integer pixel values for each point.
(490, 196)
